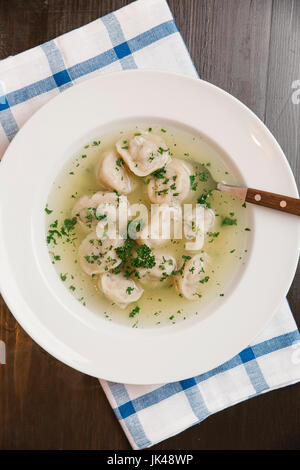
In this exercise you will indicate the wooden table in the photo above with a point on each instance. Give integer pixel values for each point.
(251, 48)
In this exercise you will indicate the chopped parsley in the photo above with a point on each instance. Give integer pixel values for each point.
(203, 199)
(159, 173)
(120, 162)
(66, 230)
(213, 234)
(48, 211)
(228, 221)
(134, 311)
(125, 252)
(164, 277)
(162, 191)
(180, 271)
(197, 177)
(68, 225)
(161, 150)
(144, 259)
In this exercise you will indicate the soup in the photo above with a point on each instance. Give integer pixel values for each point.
(135, 232)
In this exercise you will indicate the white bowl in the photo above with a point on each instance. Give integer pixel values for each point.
(45, 308)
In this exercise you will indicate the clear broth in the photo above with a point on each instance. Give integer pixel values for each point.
(162, 305)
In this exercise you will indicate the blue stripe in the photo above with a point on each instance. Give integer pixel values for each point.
(273, 344)
(260, 349)
(8, 123)
(256, 376)
(130, 417)
(168, 390)
(90, 65)
(253, 370)
(57, 65)
(7, 119)
(31, 91)
(158, 395)
(118, 40)
(195, 399)
(95, 63)
(54, 56)
(152, 35)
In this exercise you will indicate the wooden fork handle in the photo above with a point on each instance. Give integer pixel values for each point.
(274, 201)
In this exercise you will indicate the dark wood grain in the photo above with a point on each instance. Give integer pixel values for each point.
(251, 48)
(274, 201)
(282, 116)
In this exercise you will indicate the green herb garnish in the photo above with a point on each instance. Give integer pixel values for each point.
(228, 221)
(134, 311)
(144, 259)
(120, 162)
(160, 174)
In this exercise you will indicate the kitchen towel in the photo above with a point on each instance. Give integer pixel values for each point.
(144, 35)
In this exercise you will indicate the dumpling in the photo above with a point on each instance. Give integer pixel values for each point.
(144, 153)
(165, 223)
(164, 266)
(86, 207)
(195, 226)
(98, 256)
(119, 289)
(170, 184)
(113, 174)
(188, 281)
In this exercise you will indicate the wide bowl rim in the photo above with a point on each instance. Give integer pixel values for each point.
(10, 292)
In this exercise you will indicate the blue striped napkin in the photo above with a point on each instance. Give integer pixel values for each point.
(144, 35)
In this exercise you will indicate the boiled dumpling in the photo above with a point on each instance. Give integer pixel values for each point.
(113, 174)
(170, 184)
(97, 256)
(119, 289)
(196, 224)
(189, 280)
(165, 224)
(144, 153)
(89, 210)
(85, 208)
(164, 266)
